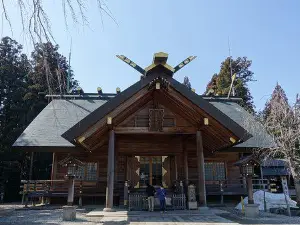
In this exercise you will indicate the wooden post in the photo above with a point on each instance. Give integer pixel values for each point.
(54, 166)
(244, 182)
(71, 190)
(110, 172)
(126, 193)
(186, 166)
(176, 170)
(201, 170)
(221, 192)
(80, 195)
(31, 166)
(250, 190)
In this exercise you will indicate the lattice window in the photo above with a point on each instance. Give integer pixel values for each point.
(86, 172)
(91, 171)
(215, 171)
(156, 119)
(79, 173)
(209, 172)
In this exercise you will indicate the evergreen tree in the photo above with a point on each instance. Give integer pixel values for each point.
(14, 67)
(282, 121)
(21, 80)
(220, 83)
(278, 97)
(187, 83)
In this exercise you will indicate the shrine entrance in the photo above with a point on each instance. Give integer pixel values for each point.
(151, 170)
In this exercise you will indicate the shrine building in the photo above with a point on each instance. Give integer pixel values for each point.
(157, 131)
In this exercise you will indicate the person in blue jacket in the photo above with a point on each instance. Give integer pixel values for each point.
(161, 193)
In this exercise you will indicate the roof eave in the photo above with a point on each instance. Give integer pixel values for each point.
(230, 124)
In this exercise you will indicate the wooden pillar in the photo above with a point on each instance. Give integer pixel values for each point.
(186, 166)
(250, 190)
(126, 194)
(110, 172)
(31, 166)
(201, 170)
(176, 169)
(54, 166)
(71, 191)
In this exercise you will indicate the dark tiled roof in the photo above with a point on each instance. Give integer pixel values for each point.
(62, 114)
(55, 119)
(260, 138)
(274, 163)
(275, 171)
(245, 160)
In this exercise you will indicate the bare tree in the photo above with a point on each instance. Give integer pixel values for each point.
(36, 25)
(36, 22)
(282, 125)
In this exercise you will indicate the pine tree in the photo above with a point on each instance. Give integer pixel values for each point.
(220, 83)
(278, 97)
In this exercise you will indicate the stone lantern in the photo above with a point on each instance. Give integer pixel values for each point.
(72, 164)
(247, 170)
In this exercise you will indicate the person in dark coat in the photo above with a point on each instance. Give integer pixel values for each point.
(150, 190)
(162, 194)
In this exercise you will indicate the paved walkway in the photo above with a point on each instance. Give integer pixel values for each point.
(167, 220)
(203, 216)
(54, 217)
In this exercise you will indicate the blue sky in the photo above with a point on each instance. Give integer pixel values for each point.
(267, 32)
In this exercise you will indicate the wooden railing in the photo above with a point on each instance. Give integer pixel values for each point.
(234, 187)
(45, 189)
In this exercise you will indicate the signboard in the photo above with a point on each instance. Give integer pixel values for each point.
(285, 187)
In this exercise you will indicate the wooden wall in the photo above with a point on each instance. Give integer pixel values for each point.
(128, 146)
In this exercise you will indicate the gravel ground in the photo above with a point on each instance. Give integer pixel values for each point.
(45, 216)
(264, 217)
(14, 214)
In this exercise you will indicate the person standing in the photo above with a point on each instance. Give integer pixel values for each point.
(161, 192)
(150, 193)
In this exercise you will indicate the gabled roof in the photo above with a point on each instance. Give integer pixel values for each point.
(55, 119)
(104, 109)
(260, 138)
(61, 114)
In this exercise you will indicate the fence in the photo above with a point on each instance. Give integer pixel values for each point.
(138, 201)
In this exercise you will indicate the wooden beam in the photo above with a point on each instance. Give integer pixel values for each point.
(132, 109)
(178, 107)
(166, 130)
(115, 112)
(103, 141)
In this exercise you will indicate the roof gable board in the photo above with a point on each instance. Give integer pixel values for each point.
(103, 110)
